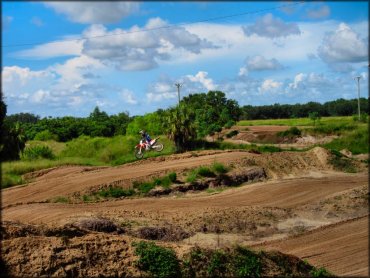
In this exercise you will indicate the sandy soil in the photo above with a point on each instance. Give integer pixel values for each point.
(341, 248)
(304, 201)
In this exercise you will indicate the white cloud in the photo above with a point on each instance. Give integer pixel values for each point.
(319, 12)
(138, 49)
(128, 97)
(271, 27)
(165, 89)
(343, 46)
(270, 85)
(94, 12)
(259, 63)
(201, 77)
(52, 50)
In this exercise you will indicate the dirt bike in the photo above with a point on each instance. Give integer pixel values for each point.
(143, 146)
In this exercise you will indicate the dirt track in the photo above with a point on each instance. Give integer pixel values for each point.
(283, 194)
(341, 248)
(66, 180)
(300, 186)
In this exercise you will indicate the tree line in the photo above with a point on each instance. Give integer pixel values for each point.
(339, 107)
(196, 116)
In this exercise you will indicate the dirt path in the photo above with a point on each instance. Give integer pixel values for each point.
(66, 180)
(341, 248)
(279, 193)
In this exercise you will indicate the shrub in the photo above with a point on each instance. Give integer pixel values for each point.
(37, 152)
(293, 131)
(172, 177)
(232, 133)
(46, 135)
(219, 168)
(229, 124)
(158, 261)
(192, 176)
(218, 264)
(205, 172)
(246, 263)
(320, 272)
(144, 187)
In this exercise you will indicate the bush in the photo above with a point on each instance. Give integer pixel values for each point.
(45, 136)
(37, 152)
(219, 168)
(293, 131)
(246, 263)
(229, 124)
(158, 261)
(217, 264)
(172, 177)
(320, 272)
(232, 133)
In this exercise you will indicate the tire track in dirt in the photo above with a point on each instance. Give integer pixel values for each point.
(278, 193)
(341, 248)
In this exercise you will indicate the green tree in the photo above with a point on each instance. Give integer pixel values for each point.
(314, 116)
(179, 125)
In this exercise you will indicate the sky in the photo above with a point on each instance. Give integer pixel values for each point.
(66, 58)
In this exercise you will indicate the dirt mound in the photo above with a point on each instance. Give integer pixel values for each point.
(102, 255)
(283, 164)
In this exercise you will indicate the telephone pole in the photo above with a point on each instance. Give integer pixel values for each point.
(178, 85)
(358, 91)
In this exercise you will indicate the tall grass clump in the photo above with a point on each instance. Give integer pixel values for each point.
(219, 168)
(37, 152)
(356, 141)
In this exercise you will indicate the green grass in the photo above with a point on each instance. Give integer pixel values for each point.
(296, 121)
(165, 182)
(356, 141)
(219, 168)
(60, 199)
(84, 150)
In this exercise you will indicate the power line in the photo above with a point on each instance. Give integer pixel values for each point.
(162, 27)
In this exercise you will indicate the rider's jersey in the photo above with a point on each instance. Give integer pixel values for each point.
(147, 137)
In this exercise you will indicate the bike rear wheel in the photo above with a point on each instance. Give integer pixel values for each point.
(139, 153)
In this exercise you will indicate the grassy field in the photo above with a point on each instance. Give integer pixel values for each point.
(88, 151)
(298, 121)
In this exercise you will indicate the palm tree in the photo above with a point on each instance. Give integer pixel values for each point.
(179, 126)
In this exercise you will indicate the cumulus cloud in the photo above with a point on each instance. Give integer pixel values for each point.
(164, 88)
(259, 63)
(343, 46)
(128, 96)
(138, 49)
(94, 12)
(318, 13)
(59, 86)
(271, 27)
(269, 85)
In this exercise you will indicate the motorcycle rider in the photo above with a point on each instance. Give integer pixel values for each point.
(145, 136)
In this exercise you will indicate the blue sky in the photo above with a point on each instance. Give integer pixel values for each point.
(65, 58)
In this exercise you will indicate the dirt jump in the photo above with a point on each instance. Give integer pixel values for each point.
(303, 206)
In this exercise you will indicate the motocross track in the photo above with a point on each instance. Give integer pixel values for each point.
(303, 201)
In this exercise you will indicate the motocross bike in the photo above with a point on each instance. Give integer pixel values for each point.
(143, 146)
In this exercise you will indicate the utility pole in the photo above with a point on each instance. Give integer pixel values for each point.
(178, 85)
(358, 91)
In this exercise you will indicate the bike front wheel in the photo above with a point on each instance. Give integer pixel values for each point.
(158, 147)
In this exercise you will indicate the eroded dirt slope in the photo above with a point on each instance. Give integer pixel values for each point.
(341, 248)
